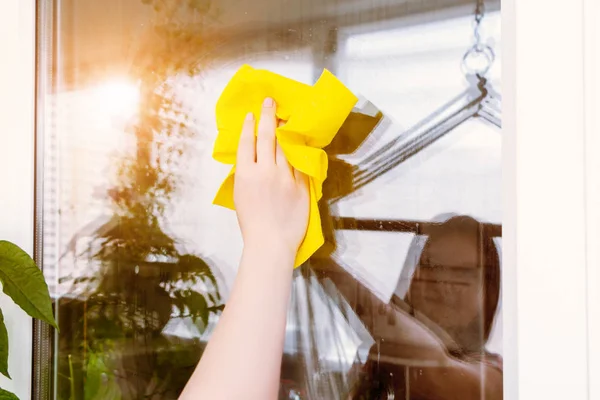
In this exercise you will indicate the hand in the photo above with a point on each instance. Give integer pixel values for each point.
(271, 197)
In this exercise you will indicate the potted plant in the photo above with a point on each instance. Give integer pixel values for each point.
(24, 283)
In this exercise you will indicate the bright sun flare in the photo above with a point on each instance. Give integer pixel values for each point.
(117, 98)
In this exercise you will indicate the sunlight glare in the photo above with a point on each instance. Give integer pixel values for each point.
(117, 98)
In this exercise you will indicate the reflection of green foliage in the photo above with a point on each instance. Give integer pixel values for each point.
(100, 383)
(143, 277)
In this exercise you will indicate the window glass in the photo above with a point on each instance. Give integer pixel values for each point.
(403, 299)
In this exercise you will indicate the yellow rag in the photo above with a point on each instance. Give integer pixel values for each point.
(313, 116)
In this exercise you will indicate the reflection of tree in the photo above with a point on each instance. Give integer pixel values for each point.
(111, 336)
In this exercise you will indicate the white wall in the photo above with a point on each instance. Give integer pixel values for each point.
(17, 39)
(592, 143)
(548, 204)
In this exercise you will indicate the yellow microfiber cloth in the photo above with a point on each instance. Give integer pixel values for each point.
(313, 116)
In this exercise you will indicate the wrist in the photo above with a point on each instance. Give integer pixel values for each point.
(271, 252)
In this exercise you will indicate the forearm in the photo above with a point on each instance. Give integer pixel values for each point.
(243, 356)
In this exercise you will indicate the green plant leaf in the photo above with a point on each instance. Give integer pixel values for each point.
(100, 381)
(198, 307)
(3, 348)
(23, 281)
(6, 395)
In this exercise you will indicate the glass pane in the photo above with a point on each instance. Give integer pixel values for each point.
(403, 299)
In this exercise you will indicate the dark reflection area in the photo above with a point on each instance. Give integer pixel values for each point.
(454, 294)
(430, 344)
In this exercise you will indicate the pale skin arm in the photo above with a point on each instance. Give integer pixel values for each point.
(243, 356)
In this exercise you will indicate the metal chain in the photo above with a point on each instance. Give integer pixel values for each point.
(479, 14)
(480, 57)
(479, 10)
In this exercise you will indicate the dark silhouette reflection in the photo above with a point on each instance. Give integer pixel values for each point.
(432, 343)
(457, 283)
(456, 286)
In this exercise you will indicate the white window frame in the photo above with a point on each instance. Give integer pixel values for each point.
(591, 12)
(549, 155)
(551, 173)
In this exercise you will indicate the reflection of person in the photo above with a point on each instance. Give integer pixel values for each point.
(456, 285)
(453, 296)
(457, 282)
(272, 205)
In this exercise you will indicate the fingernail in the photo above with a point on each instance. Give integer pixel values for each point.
(268, 102)
(249, 116)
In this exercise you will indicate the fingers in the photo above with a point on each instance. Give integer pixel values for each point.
(246, 153)
(300, 177)
(265, 143)
(280, 158)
